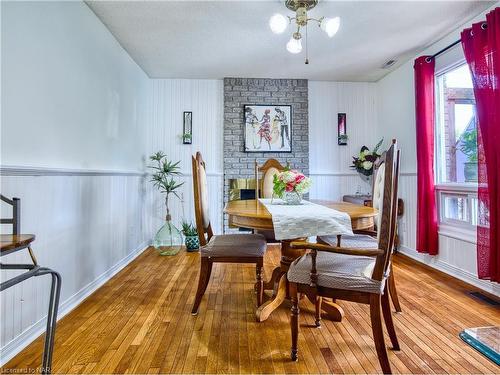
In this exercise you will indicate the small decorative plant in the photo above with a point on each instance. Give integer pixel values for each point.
(191, 241)
(187, 138)
(168, 240)
(163, 176)
(291, 185)
(342, 139)
(364, 161)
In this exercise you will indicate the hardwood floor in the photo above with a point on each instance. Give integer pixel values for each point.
(140, 322)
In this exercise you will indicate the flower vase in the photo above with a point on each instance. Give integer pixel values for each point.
(168, 239)
(291, 197)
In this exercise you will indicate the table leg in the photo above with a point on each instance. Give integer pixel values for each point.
(272, 284)
(278, 281)
(268, 307)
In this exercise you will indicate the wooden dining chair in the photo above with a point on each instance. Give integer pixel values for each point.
(353, 274)
(227, 248)
(264, 184)
(364, 239)
(264, 187)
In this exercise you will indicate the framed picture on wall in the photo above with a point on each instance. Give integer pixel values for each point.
(268, 128)
(342, 129)
(187, 129)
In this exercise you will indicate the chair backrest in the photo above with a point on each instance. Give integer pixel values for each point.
(265, 184)
(201, 210)
(377, 187)
(15, 220)
(386, 201)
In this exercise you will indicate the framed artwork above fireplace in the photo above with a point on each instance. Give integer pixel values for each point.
(268, 128)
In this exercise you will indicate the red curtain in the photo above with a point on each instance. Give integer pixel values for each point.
(427, 221)
(481, 45)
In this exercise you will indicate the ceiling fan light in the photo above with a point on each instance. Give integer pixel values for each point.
(330, 26)
(294, 45)
(278, 23)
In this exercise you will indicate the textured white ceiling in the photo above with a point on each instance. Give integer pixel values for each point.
(215, 39)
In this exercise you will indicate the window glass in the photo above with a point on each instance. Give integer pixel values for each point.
(456, 127)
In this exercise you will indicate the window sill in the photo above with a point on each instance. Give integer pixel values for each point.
(458, 233)
(457, 188)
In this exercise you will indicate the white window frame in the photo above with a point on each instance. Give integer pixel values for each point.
(457, 229)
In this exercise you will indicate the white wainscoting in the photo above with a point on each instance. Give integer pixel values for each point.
(169, 98)
(88, 225)
(183, 209)
(332, 186)
(456, 257)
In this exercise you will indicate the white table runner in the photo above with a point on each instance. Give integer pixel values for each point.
(306, 220)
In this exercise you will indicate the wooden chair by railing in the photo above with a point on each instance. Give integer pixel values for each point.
(227, 248)
(353, 274)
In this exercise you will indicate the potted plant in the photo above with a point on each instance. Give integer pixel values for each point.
(191, 239)
(187, 138)
(168, 239)
(363, 163)
(468, 146)
(290, 185)
(342, 139)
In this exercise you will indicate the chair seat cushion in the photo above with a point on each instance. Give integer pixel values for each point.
(235, 245)
(337, 271)
(358, 241)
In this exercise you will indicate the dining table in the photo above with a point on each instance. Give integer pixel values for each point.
(253, 214)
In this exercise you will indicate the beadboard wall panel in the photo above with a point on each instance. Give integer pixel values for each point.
(456, 257)
(169, 98)
(328, 162)
(326, 99)
(87, 227)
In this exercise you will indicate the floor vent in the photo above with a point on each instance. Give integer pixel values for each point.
(484, 298)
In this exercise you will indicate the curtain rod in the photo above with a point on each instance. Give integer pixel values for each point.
(443, 50)
(484, 25)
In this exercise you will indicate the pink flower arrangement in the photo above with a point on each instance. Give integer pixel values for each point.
(290, 181)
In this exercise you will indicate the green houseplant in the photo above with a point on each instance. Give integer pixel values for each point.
(468, 145)
(168, 239)
(191, 239)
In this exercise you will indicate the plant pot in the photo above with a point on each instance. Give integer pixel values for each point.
(292, 198)
(192, 243)
(470, 171)
(168, 239)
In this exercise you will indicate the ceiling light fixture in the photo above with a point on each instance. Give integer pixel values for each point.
(279, 23)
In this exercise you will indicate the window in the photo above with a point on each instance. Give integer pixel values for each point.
(456, 149)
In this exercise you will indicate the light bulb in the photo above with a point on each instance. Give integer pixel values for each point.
(278, 23)
(330, 26)
(294, 45)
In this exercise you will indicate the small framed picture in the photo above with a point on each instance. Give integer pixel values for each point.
(187, 130)
(342, 129)
(268, 128)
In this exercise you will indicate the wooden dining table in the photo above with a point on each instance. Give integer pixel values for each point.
(253, 214)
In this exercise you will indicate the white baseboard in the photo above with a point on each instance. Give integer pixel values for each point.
(468, 277)
(13, 347)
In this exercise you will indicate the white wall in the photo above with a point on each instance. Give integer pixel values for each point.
(73, 114)
(396, 111)
(169, 98)
(328, 162)
(71, 96)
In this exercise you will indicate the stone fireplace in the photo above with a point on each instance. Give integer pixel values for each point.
(240, 91)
